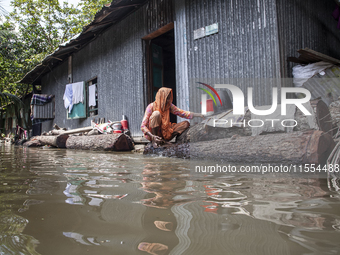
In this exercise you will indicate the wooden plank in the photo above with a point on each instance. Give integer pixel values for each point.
(159, 32)
(78, 130)
(318, 56)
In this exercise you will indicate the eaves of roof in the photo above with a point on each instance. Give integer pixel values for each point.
(109, 15)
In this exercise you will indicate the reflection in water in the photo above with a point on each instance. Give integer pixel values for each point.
(62, 202)
(81, 239)
(28, 203)
(290, 203)
(72, 194)
(163, 225)
(164, 183)
(12, 241)
(153, 248)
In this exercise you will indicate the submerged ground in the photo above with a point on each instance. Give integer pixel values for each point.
(58, 201)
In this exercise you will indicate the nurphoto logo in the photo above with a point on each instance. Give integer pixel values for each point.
(239, 106)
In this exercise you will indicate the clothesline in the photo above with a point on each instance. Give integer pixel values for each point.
(74, 94)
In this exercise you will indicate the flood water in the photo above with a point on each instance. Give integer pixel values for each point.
(58, 201)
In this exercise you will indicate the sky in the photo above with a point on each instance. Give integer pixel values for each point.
(6, 3)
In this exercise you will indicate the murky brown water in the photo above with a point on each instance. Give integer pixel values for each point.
(56, 201)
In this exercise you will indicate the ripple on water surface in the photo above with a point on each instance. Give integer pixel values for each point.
(56, 201)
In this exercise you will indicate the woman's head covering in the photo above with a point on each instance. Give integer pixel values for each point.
(162, 105)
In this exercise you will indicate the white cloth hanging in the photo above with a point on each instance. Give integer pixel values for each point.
(92, 95)
(68, 94)
(78, 92)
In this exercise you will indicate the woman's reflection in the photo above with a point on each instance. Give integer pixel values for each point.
(165, 183)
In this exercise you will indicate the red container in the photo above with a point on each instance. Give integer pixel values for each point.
(210, 105)
(117, 131)
(125, 125)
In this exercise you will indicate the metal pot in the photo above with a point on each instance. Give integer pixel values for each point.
(117, 126)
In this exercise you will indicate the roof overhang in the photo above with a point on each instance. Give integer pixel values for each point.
(109, 15)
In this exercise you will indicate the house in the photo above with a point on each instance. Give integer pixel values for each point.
(13, 116)
(133, 47)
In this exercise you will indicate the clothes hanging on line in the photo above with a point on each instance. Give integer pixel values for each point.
(78, 92)
(68, 94)
(92, 95)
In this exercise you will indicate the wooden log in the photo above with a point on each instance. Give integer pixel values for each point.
(32, 143)
(203, 132)
(55, 141)
(302, 147)
(42, 140)
(109, 142)
(61, 140)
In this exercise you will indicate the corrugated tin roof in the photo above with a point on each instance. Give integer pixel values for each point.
(106, 17)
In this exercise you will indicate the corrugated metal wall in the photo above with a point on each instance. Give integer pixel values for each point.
(44, 111)
(306, 24)
(159, 13)
(54, 83)
(116, 59)
(246, 45)
(181, 55)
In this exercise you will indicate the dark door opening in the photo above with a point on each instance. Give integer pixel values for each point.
(161, 66)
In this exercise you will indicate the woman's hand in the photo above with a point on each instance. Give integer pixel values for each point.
(155, 140)
(198, 115)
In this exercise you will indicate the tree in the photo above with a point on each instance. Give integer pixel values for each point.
(2, 10)
(6, 98)
(12, 60)
(35, 29)
(44, 24)
(32, 31)
(89, 8)
(5, 40)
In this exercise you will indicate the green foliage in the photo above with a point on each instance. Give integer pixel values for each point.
(12, 62)
(90, 8)
(6, 98)
(44, 24)
(33, 30)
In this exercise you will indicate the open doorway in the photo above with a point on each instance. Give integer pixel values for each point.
(160, 64)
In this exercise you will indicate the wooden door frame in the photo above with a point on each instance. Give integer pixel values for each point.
(148, 64)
